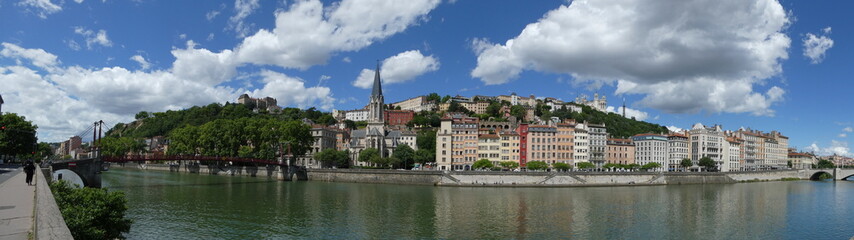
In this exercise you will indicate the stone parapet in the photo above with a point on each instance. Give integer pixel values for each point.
(48, 222)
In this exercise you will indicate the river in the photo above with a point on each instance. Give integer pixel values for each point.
(166, 205)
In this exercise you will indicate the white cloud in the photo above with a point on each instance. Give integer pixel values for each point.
(674, 129)
(848, 129)
(630, 113)
(73, 45)
(67, 99)
(211, 15)
(78, 1)
(816, 46)
(346, 59)
(42, 8)
(242, 8)
(92, 37)
(836, 147)
(182, 36)
(210, 37)
(142, 62)
(292, 91)
(204, 65)
(654, 48)
(38, 57)
(843, 135)
(308, 33)
(399, 68)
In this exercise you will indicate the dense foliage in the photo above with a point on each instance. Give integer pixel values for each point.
(561, 166)
(707, 163)
(161, 123)
(824, 163)
(118, 146)
(537, 165)
(92, 213)
(618, 126)
(585, 165)
(17, 135)
(244, 137)
(333, 158)
(509, 164)
(482, 164)
(405, 155)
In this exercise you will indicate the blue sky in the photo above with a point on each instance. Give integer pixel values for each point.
(766, 64)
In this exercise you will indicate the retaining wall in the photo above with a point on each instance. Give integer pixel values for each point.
(252, 171)
(48, 222)
(765, 176)
(375, 176)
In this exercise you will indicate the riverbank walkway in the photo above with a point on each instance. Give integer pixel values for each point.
(17, 201)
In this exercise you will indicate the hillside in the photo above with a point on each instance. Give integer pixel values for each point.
(618, 126)
(161, 123)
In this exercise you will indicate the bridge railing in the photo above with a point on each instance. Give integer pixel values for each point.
(137, 158)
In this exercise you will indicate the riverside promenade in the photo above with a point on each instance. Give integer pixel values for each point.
(24, 209)
(17, 202)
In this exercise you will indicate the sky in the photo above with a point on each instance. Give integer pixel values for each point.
(765, 64)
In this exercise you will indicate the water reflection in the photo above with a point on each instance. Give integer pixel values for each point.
(188, 206)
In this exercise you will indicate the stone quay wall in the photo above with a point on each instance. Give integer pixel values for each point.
(48, 222)
(375, 176)
(538, 179)
(252, 171)
(488, 178)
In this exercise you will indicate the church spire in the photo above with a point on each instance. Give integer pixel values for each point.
(378, 89)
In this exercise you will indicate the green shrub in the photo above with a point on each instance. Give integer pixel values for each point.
(92, 213)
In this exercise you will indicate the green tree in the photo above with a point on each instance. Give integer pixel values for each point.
(43, 151)
(612, 165)
(369, 155)
(482, 164)
(633, 166)
(561, 166)
(350, 124)
(326, 120)
(518, 111)
(92, 213)
(405, 154)
(361, 124)
(707, 163)
(119, 146)
(686, 163)
(434, 97)
(537, 165)
(142, 115)
(824, 163)
(446, 98)
(651, 165)
(426, 140)
(17, 135)
(423, 156)
(494, 109)
(585, 165)
(327, 158)
(509, 164)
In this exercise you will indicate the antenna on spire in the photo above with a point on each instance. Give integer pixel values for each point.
(624, 107)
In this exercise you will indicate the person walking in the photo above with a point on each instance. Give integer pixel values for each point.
(29, 169)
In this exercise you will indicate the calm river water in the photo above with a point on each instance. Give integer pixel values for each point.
(168, 205)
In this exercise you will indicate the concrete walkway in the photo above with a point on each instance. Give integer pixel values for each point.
(16, 206)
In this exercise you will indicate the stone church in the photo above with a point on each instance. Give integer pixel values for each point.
(377, 135)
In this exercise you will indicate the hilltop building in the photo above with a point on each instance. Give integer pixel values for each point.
(600, 104)
(267, 103)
